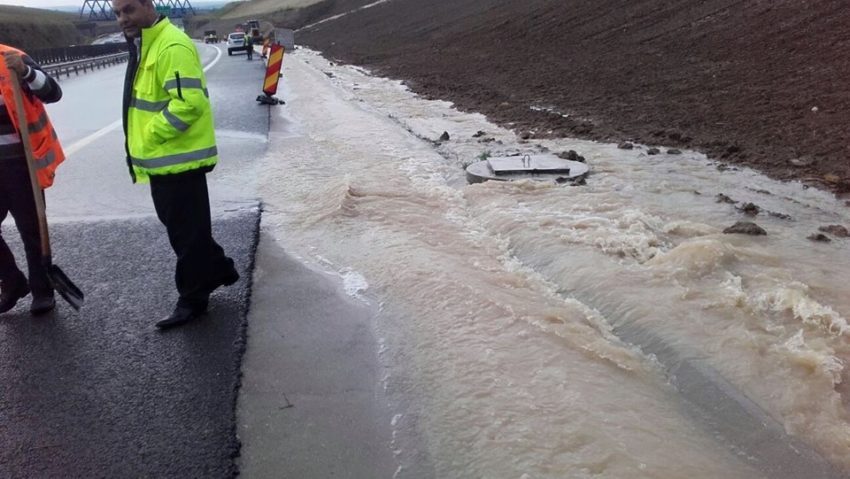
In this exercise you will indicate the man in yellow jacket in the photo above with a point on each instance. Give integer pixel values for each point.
(170, 142)
(16, 195)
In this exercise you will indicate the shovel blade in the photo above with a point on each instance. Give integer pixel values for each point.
(66, 288)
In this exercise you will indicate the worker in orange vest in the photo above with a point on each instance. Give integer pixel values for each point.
(16, 195)
(267, 42)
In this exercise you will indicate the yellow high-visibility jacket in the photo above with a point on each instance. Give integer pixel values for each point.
(168, 120)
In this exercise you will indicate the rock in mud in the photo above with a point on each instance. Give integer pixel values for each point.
(445, 136)
(731, 150)
(572, 156)
(800, 162)
(750, 209)
(721, 198)
(745, 228)
(674, 151)
(625, 146)
(835, 230)
(781, 216)
(653, 151)
(820, 237)
(579, 181)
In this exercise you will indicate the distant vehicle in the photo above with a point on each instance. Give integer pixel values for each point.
(252, 29)
(210, 36)
(237, 41)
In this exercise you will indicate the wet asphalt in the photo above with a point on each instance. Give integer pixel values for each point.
(101, 392)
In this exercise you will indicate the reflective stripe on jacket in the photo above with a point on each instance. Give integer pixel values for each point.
(169, 119)
(47, 152)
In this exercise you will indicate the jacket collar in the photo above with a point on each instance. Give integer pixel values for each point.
(149, 34)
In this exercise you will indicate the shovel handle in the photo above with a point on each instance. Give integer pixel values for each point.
(37, 192)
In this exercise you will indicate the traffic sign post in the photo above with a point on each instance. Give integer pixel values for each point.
(272, 76)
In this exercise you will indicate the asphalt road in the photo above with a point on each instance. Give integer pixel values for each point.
(101, 392)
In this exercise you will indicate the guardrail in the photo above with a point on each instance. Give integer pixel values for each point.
(56, 70)
(44, 56)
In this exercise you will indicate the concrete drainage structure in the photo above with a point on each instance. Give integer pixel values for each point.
(527, 167)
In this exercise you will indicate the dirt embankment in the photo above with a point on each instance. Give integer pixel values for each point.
(762, 83)
(31, 28)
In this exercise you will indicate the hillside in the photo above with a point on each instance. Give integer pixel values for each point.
(281, 13)
(264, 7)
(31, 28)
(761, 83)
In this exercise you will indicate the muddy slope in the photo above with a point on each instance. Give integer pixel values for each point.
(765, 83)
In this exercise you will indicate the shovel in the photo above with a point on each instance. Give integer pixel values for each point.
(60, 282)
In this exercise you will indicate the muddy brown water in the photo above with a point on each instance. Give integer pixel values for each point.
(501, 302)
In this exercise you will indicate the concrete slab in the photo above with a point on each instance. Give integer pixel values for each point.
(310, 405)
(528, 164)
(526, 167)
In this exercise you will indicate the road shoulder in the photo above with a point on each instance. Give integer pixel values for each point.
(310, 404)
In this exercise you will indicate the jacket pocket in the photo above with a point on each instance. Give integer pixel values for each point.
(145, 84)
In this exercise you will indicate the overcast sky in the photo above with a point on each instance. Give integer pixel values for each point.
(43, 3)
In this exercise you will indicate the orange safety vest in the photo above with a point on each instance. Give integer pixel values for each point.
(47, 152)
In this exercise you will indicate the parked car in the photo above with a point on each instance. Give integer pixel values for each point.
(236, 41)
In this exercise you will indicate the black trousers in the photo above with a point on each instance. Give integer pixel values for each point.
(182, 204)
(16, 198)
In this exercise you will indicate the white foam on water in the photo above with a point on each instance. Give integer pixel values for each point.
(354, 284)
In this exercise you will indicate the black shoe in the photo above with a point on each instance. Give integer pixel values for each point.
(11, 292)
(181, 315)
(231, 277)
(227, 279)
(42, 303)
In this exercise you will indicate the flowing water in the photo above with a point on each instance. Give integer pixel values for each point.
(503, 306)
